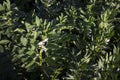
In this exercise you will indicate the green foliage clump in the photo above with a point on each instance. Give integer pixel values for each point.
(61, 39)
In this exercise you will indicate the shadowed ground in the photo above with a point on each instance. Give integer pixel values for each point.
(6, 68)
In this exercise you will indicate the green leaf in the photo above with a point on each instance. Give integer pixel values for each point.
(1, 49)
(4, 41)
(27, 25)
(8, 4)
(30, 53)
(37, 21)
(30, 65)
(24, 41)
(19, 30)
(35, 35)
(33, 47)
(1, 8)
(47, 27)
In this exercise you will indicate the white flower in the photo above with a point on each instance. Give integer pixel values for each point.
(4, 19)
(42, 44)
(107, 40)
(46, 40)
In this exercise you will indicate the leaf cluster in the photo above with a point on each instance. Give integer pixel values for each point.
(61, 39)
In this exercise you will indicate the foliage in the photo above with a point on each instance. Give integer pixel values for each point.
(62, 39)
